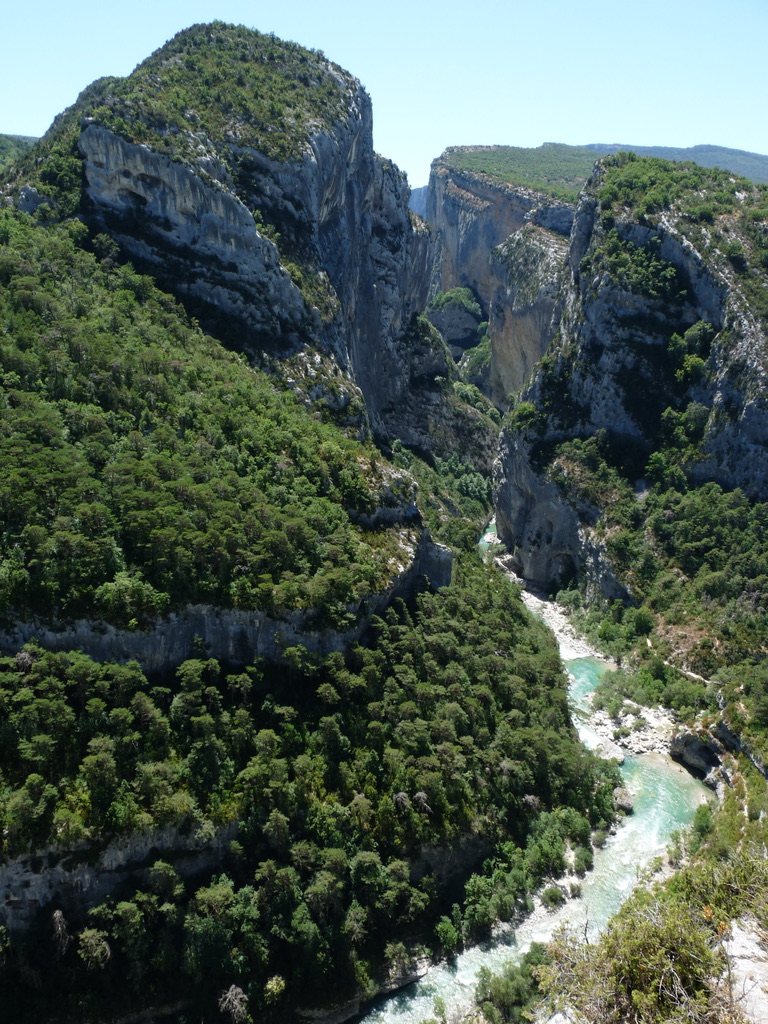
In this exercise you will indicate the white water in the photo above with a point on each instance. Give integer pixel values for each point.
(665, 799)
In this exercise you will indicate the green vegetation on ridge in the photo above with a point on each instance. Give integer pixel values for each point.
(146, 467)
(562, 171)
(12, 146)
(216, 91)
(556, 169)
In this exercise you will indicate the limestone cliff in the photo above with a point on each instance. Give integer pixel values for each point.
(507, 243)
(271, 216)
(472, 213)
(525, 307)
(234, 636)
(654, 326)
(367, 257)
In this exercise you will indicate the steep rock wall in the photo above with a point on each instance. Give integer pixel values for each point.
(231, 635)
(74, 880)
(525, 307)
(608, 371)
(508, 245)
(471, 214)
(616, 336)
(364, 255)
(550, 542)
(197, 234)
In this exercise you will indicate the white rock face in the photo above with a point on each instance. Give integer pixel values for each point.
(651, 729)
(525, 308)
(200, 234)
(194, 227)
(472, 214)
(749, 970)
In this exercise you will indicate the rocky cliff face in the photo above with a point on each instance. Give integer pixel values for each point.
(525, 308)
(629, 288)
(472, 213)
(551, 541)
(233, 636)
(364, 258)
(507, 244)
(74, 880)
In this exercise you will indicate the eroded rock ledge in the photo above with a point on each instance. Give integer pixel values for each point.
(231, 635)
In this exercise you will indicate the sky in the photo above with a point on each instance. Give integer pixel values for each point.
(509, 72)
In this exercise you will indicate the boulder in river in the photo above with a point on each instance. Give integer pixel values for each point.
(622, 800)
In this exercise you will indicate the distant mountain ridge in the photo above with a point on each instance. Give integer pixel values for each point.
(751, 165)
(12, 145)
(561, 170)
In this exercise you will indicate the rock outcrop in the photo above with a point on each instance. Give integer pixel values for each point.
(699, 752)
(525, 307)
(196, 234)
(75, 880)
(622, 800)
(366, 257)
(235, 636)
(609, 373)
(551, 542)
(458, 326)
(508, 245)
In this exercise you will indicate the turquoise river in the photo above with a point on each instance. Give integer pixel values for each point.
(665, 799)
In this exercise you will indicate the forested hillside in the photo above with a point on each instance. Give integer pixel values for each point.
(12, 146)
(148, 468)
(265, 741)
(250, 834)
(450, 728)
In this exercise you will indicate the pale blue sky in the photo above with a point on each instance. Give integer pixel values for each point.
(652, 72)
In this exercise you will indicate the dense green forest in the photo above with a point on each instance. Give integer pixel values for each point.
(12, 146)
(451, 722)
(748, 165)
(146, 467)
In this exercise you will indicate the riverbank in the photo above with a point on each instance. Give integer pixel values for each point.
(637, 730)
(665, 799)
(571, 645)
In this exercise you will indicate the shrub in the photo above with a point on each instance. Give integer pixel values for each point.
(552, 897)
